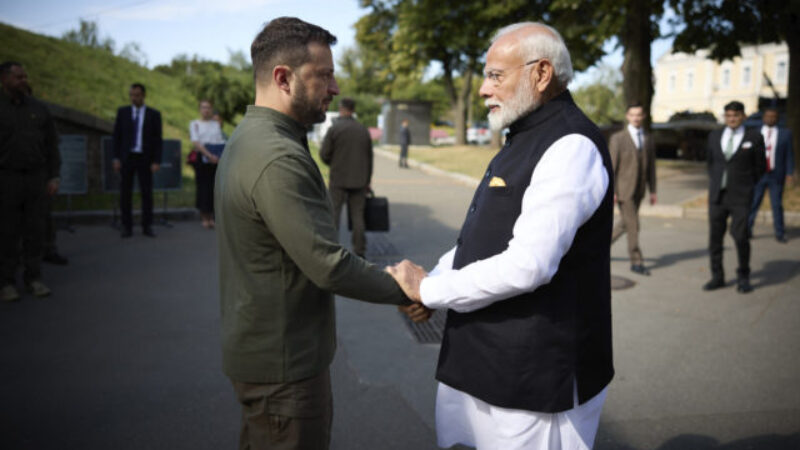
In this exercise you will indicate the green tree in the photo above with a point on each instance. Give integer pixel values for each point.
(88, 35)
(602, 100)
(407, 35)
(134, 53)
(634, 25)
(723, 27)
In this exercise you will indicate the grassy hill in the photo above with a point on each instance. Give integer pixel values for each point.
(93, 80)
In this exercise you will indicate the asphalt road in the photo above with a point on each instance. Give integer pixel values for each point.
(126, 353)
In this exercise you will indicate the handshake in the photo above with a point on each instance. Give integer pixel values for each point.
(409, 276)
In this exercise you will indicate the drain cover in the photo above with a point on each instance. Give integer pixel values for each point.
(429, 332)
(618, 283)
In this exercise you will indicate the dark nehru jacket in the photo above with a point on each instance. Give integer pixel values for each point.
(525, 352)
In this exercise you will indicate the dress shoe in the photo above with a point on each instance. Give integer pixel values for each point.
(38, 288)
(781, 239)
(743, 285)
(149, 232)
(715, 283)
(9, 293)
(55, 258)
(640, 269)
(126, 234)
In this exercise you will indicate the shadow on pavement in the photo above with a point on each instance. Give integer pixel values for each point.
(763, 442)
(673, 258)
(775, 272)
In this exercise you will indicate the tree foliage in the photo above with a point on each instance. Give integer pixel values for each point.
(88, 35)
(602, 100)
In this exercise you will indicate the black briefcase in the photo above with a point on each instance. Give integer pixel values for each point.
(376, 214)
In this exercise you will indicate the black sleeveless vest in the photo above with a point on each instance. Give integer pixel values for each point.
(525, 352)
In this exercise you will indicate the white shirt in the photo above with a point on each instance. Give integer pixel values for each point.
(138, 112)
(634, 132)
(566, 188)
(738, 135)
(205, 132)
(770, 143)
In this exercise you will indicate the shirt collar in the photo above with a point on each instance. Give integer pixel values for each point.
(633, 130)
(260, 113)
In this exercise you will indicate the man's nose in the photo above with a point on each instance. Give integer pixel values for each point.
(333, 88)
(486, 89)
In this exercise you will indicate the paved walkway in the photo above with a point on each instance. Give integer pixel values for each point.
(125, 354)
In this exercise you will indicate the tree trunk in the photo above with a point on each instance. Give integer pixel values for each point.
(793, 95)
(637, 73)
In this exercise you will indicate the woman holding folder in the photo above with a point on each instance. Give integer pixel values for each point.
(208, 142)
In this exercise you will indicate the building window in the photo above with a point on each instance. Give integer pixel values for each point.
(673, 80)
(726, 77)
(746, 75)
(690, 81)
(780, 72)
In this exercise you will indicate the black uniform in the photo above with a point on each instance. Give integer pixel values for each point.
(29, 158)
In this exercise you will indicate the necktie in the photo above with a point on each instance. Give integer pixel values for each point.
(639, 137)
(137, 117)
(728, 154)
(769, 148)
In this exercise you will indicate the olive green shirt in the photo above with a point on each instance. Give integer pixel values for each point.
(28, 137)
(280, 262)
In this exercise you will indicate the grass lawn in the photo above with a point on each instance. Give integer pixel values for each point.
(470, 160)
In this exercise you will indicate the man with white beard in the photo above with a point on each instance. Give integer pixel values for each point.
(526, 356)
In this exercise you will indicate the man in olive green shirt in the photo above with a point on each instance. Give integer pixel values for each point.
(280, 262)
(29, 172)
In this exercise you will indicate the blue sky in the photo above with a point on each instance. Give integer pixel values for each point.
(209, 28)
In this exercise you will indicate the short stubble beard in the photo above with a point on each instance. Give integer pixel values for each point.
(306, 112)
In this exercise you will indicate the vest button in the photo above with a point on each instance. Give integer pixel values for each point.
(488, 173)
(458, 241)
(472, 208)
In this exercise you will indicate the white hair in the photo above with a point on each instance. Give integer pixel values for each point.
(543, 45)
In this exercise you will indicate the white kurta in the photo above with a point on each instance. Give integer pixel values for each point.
(566, 188)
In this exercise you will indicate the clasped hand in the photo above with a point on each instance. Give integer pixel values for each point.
(409, 276)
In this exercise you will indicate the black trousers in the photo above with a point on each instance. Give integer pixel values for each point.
(204, 174)
(137, 166)
(356, 200)
(718, 222)
(23, 212)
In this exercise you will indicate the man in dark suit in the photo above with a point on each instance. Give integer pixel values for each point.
(633, 156)
(137, 152)
(780, 165)
(735, 163)
(347, 149)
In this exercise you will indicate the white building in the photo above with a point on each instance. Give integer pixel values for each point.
(695, 83)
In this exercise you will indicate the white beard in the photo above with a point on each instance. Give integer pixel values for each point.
(517, 106)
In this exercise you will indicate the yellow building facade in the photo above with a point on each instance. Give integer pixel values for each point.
(692, 82)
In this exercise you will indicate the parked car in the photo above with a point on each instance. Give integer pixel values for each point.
(479, 134)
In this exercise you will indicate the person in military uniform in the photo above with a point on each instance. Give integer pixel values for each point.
(29, 173)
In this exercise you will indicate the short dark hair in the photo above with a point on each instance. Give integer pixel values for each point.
(735, 106)
(348, 104)
(140, 86)
(634, 105)
(285, 41)
(773, 109)
(6, 66)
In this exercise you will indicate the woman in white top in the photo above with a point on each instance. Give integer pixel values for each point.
(203, 133)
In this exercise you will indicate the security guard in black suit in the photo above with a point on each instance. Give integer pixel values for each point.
(29, 172)
(735, 164)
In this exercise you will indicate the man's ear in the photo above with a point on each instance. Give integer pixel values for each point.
(544, 72)
(282, 77)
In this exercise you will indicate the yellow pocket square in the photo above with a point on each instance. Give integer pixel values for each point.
(497, 182)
